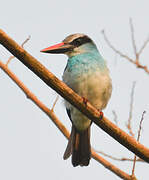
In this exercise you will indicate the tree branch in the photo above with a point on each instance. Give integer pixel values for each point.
(118, 159)
(108, 165)
(73, 98)
(137, 54)
(58, 123)
(114, 49)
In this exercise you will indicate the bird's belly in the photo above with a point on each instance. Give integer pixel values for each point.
(96, 88)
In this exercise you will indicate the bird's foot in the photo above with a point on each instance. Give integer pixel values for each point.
(101, 115)
(85, 100)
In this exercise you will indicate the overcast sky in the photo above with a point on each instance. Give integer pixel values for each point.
(31, 146)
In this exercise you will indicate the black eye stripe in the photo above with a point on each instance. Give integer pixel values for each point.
(81, 40)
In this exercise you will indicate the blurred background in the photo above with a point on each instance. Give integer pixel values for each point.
(31, 147)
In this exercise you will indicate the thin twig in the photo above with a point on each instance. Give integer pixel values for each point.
(114, 49)
(8, 61)
(133, 39)
(118, 159)
(137, 54)
(138, 138)
(140, 126)
(143, 46)
(129, 124)
(57, 97)
(115, 117)
(22, 45)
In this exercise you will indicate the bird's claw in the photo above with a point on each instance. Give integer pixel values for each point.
(85, 100)
(101, 115)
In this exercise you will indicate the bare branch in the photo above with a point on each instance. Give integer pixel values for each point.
(118, 159)
(57, 97)
(138, 138)
(114, 49)
(108, 165)
(59, 124)
(73, 98)
(143, 46)
(128, 125)
(137, 54)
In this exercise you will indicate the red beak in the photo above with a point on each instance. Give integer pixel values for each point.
(58, 48)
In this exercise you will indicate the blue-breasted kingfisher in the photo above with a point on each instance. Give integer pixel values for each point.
(87, 74)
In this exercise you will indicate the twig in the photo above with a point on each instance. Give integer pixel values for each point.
(108, 165)
(128, 125)
(73, 98)
(22, 45)
(57, 97)
(8, 61)
(140, 126)
(59, 124)
(133, 39)
(114, 49)
(137, 54)
(115, 117)
(118, 159)
(138, 138)
(143, 46)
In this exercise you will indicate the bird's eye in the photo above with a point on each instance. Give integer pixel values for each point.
(77, 42)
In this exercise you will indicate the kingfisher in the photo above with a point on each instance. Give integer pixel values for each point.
(87, 74)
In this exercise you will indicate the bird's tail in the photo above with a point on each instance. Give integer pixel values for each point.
(79, 146)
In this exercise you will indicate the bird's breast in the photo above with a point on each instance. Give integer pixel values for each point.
(91, 83)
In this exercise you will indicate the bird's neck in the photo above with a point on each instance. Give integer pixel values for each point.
(88, 55)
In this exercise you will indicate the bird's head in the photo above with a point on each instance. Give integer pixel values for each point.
(72, 45)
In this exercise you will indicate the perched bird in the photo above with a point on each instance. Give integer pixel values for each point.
(87, 74)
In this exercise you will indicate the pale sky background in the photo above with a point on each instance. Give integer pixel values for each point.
(31, 147)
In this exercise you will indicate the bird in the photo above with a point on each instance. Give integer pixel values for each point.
(87, 74)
